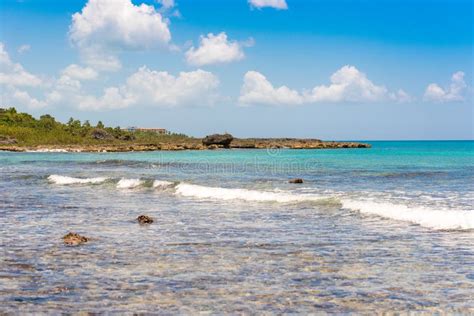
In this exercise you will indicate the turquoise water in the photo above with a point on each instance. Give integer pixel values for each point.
(381, 229)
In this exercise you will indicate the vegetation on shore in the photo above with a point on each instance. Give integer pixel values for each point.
(22, 132)
(22, 129)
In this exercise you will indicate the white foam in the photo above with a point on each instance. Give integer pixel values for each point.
(57, 179)
(204, 192)
(162, 184)
(48, 150)
(435, 219)
(129, 183)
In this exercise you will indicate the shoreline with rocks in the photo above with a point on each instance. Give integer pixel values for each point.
(192, 144)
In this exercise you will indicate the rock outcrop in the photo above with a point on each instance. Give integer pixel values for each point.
(223, 140)
(7, 140)
(100, 134)
(293, 143)
(73, 239)
(144, 219)
(297, 180)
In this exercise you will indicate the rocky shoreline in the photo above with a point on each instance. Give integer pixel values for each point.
(195, 144)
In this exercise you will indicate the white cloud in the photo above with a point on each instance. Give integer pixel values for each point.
(167, 4)
(113, 98)
(105, 27)
(13, 74)
(215, 49)
(276, 4)
(23, 98)
(160, 89)
(13, 96)
(348, 84)
(455, 92)
(23, 48)
(80, 73)
(401, 96)
(258, 90)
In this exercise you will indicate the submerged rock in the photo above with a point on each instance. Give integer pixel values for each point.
(223, 140)
(144, 219)
(297, 180)
(73, 239)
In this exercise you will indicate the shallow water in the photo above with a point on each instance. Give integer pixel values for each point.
(385, 229)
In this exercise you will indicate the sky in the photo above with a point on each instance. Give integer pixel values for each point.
(329, 69)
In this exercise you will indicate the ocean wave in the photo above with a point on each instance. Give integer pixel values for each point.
(204, 192)
(64, 180)
(426, 217)
(129, 183)
(162, 184)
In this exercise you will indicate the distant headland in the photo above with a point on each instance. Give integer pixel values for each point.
(22, 132)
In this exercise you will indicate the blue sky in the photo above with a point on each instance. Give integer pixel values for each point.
(298, 68)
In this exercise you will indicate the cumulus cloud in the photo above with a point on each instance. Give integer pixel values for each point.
(401, 96)
(214, 49)
(13, 74)
(276, 4)
(23, 48)
(347, 84)
(19, 97)
(105, 27)
(258, 90)
(455, 92)
(158, 88)
(80, 73)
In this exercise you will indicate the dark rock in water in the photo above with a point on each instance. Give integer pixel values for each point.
(7, 140)
(144, 219)
(73, 239)
(100, 134)
(223, 140)
(298, 180)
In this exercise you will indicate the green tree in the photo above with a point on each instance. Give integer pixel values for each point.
(47, 122)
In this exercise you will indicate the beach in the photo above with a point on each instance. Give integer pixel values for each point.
(375, 230)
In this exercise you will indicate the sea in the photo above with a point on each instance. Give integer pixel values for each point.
(385, 229)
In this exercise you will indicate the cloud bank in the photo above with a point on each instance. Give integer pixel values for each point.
(158, 88)
(348, 84)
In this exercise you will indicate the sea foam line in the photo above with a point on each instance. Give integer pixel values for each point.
(64, 180)
(430, 218)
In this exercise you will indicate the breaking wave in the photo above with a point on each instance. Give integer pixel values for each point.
(426, 217)
(192, 190)
(440, 219)
(423, 216)
(162, 184)
(64, 180)
(129, 183)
